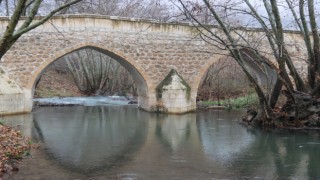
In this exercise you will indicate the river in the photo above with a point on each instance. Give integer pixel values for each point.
(123, 142)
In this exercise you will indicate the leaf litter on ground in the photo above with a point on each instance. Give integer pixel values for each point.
(13, 147)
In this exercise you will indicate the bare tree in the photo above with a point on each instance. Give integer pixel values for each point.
(151, 9)
(224, 80)
(14, 31)
(244, 46)
(97, 74)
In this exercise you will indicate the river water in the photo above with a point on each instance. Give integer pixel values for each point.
(123, 142)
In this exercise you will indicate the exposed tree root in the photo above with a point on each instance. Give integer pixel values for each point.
(303, 113)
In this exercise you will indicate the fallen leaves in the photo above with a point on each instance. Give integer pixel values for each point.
(13, 147)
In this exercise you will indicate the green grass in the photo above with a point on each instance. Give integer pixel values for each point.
(237, 103)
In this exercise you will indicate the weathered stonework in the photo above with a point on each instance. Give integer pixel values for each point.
(12, 97)
(148, 49)
(173, 95)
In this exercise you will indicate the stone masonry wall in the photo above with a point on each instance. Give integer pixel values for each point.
(149, 50)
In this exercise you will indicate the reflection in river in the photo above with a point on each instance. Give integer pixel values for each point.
(122, 142)
(84, 139)
(229, 139)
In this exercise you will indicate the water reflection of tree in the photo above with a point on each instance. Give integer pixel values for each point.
(221, 137)
(260, 153)
(282, 150)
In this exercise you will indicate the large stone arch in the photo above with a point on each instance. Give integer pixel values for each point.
(138, 73)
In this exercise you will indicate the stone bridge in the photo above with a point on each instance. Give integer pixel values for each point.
(167, 60)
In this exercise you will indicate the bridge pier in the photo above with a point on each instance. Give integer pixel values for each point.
(174, 103)
(172, 95)
(13, 99)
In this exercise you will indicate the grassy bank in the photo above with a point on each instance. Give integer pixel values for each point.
(234, 103)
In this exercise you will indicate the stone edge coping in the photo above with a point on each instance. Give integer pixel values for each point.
(152, 21)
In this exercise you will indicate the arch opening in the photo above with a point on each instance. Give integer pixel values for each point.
(224, 81)
(138, 75)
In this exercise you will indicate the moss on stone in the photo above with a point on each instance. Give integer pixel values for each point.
(168, 80)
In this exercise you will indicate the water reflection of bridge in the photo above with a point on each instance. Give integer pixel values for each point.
(132, 143)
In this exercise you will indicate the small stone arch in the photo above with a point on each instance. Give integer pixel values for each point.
(204, 69)
(266, 78)
(137, 72)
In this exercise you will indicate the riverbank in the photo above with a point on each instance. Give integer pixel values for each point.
(13, 147)
(250, 100)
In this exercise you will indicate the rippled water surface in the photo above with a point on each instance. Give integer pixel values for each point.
(122, 142)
